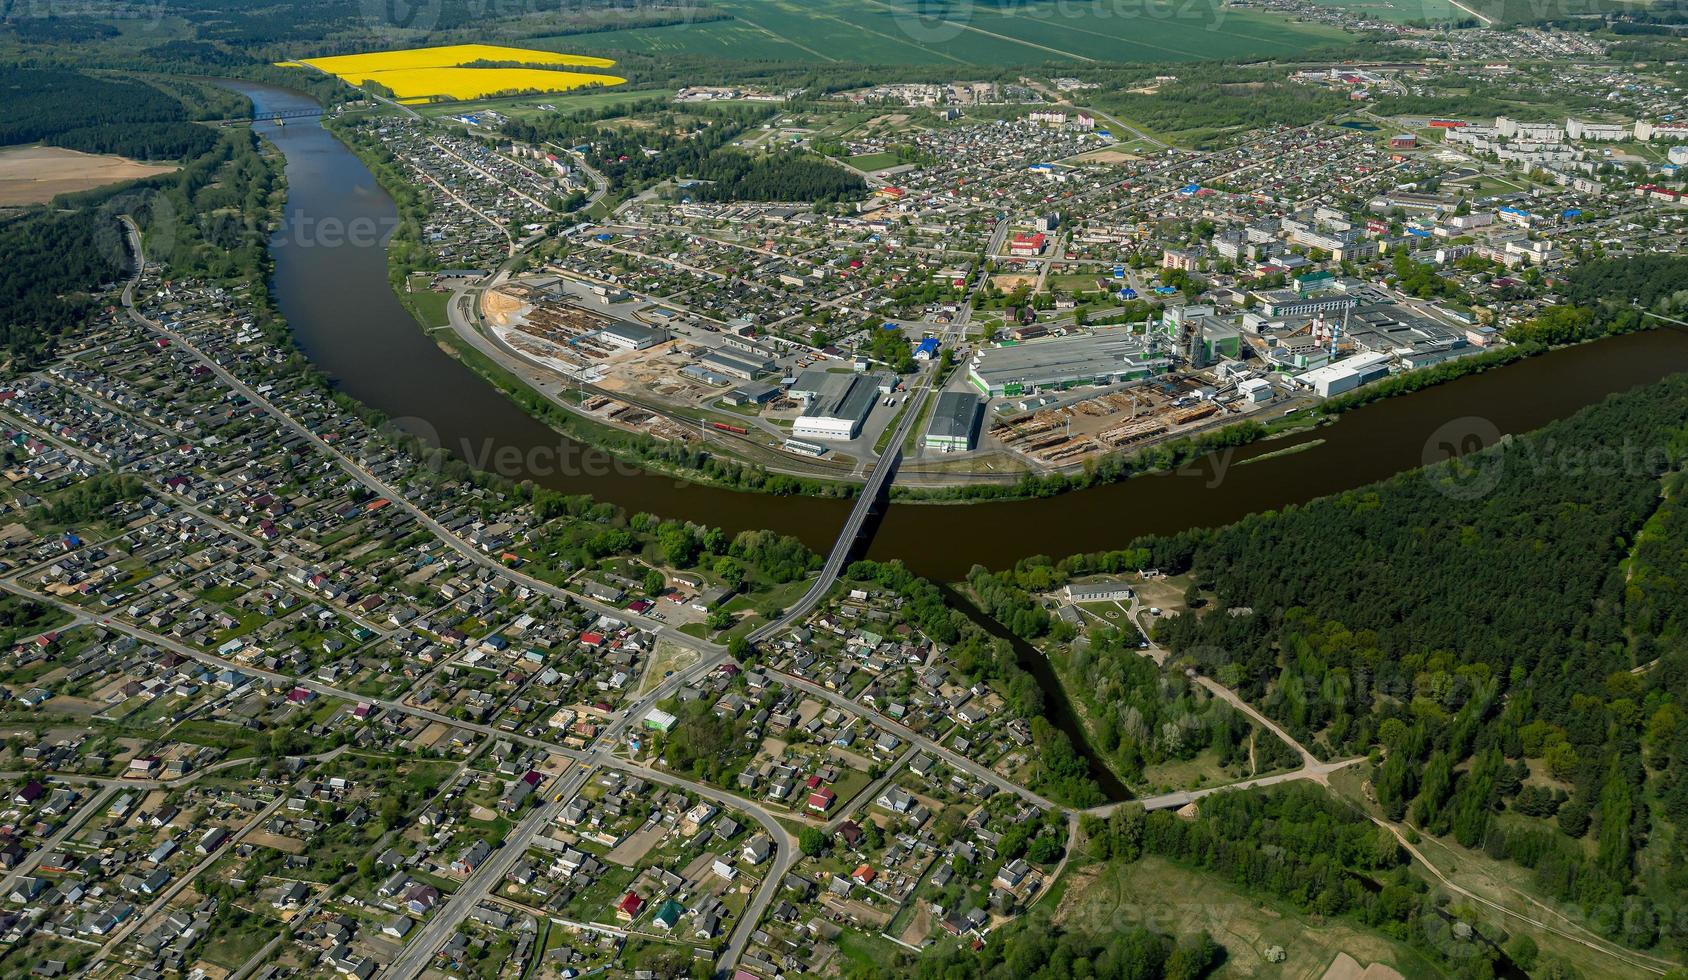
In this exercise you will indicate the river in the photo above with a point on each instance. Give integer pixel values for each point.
(331, 283)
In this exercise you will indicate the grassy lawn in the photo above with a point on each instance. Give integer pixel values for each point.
(237, 936)
(872, 952)
(236, 741)
(426, 305)
(873, 161)
(1162, 896)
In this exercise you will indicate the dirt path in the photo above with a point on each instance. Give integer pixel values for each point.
(1630, 958)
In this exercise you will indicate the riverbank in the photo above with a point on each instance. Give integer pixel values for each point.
(369, 346)
(1170, 456)
(675, 460)
(725, 468)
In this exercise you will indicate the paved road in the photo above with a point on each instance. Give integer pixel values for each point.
(1318, 772)
(872, 790)
(117, 937)
(420, 949)
(90, 807)
(1312, 767)
(953, 760)
(374, 484)
(840, 553)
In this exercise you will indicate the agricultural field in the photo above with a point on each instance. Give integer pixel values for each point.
(891, 32)
(36, 174)
(530, 106)
(418, 75)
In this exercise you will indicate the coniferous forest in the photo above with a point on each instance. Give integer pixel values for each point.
(1505, 634)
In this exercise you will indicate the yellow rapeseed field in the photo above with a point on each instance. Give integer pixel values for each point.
(421, 74)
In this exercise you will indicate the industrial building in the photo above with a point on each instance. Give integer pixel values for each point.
(838, 404)
(753, 393)
(745, 367)
(1346, 375)
(1098, 358)
(1416, 339)
(630, 336)
(1255, 390)
(1275, 303)
(955, 423)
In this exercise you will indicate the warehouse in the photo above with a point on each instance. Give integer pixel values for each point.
(753, 393)
(1102, 357)
(955, 423)
(1334, 379)
(1110, 591)
(745, 367)
(838, 404)
(630, 336)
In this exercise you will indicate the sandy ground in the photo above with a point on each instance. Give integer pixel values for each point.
(499, 306)
(35, 174)
(289, 845)
(1107, 156)
(1009, 281)
(632, 850)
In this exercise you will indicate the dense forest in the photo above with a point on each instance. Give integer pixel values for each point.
(780, 176)
(1647, 280)
(49, 262)
(1504, 630)
(44, 102)
(141, 141)
(204, 219)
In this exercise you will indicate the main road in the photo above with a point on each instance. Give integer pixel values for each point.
(876, 483)
(374, 484)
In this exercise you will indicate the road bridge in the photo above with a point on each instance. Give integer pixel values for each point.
(879, 481)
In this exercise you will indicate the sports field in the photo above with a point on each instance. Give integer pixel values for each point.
(421, 74)
(967, 32)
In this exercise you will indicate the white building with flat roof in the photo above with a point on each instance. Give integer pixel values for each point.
(838, 404)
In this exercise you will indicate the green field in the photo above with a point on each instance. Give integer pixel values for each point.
(891, 32)
(522, 106)
(874, 161)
